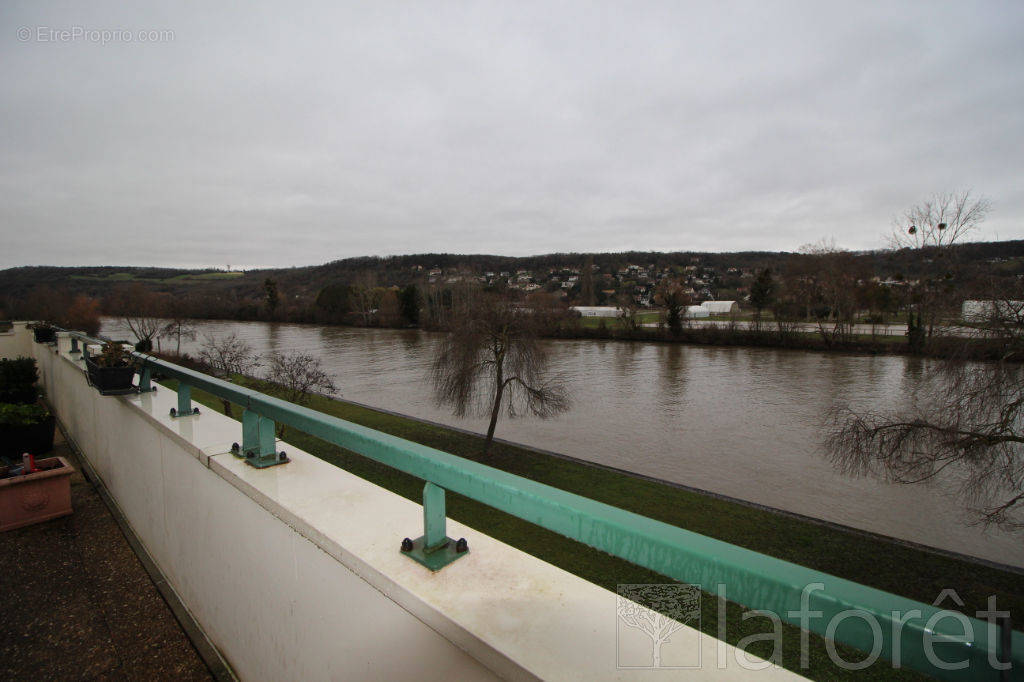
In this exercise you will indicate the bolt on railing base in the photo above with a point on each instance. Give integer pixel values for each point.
(435, 558)
(271, 459)
(178, 415)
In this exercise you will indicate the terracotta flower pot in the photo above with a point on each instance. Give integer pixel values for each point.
(36, 497)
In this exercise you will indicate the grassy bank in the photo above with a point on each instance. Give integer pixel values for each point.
(938, 346)
(888, 566)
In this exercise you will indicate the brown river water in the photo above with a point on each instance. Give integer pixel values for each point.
(741, 422)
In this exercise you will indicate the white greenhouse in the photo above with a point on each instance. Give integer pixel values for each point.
(721, 307)
(696, 311)
(983, 311)
(597, 310)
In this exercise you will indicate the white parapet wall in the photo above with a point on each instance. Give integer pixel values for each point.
(294, 572)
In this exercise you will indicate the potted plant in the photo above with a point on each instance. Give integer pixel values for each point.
(34, 492)
(112, 371)
(25, 428)
(18, 381)
(44, 333)
(25, 424)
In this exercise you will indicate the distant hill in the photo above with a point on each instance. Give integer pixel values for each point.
(302, 284)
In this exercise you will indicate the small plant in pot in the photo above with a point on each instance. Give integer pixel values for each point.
(111, 372)
(25, 424)
(18, 378)
(44, 333)
(25, 428)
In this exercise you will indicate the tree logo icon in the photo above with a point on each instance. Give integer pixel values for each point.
(648, 617)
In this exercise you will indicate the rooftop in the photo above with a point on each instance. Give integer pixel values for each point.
(79, 604)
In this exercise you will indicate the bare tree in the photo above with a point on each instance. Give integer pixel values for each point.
(296, 377)
(968, 430)
(178, 327)
(931, 227)
(941, 220)
(587, 281)
(389, 308)
(833, 285)
(141, 311)
(762, 295)
(673, 297)
(492, 359)
(226, 356)
(365, 296)
(630, 317)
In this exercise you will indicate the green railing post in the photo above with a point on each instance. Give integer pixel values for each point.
(434, 549)
(434, 529)
(85, 351)
(184, 401)
(145, 380)
(74, 345)
(250, 432)
(259, 441)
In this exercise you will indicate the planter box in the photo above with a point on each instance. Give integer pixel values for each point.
(37, 497)
(35, 439)
(110, 380)
(45, 334)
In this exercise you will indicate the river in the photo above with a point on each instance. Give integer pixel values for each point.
(742, 422)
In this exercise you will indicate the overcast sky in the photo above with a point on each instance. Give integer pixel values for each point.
(279, 134)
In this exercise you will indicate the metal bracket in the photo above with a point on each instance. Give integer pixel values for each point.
(434, 549)
(258, 442)
(184, 408)
(146, 381)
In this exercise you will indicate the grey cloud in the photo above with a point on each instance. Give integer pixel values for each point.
(275, 134)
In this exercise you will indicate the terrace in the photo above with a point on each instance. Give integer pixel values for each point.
(298, 570)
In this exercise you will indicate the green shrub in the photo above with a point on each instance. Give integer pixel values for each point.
(18, 381)
(22, 415)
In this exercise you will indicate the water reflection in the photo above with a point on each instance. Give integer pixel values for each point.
(744, 422)
(670, 362)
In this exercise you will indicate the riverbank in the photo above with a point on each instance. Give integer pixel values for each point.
(911, 572)
(978, 349)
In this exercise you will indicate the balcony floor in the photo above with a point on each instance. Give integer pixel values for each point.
(76, 602)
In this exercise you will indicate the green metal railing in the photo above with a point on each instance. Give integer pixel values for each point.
(915, 634)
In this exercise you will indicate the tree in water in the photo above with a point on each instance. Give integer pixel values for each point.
(965, 424)
(492, 360)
